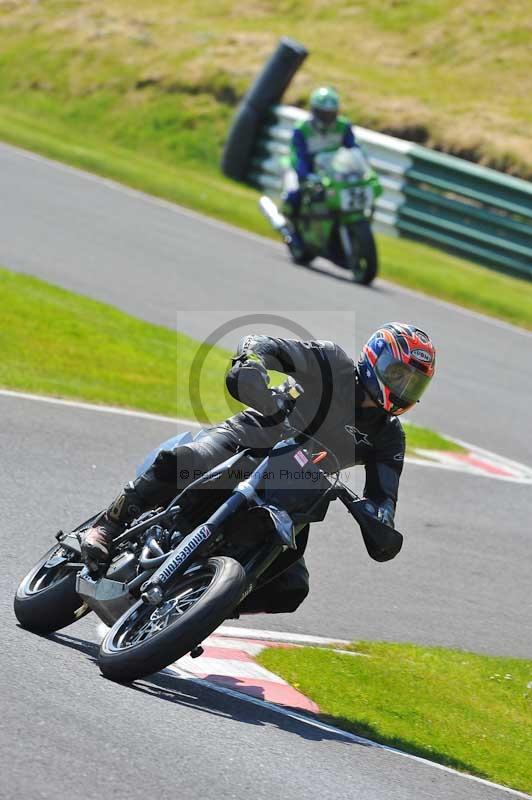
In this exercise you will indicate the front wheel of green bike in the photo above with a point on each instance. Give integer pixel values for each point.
(362, 260)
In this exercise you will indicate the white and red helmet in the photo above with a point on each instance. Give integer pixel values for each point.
(396, 366)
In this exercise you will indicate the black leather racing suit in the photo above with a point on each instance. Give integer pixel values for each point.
(330, 410)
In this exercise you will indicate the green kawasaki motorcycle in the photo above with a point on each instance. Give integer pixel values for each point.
(334, 220)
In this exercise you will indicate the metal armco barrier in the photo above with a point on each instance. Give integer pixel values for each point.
(479, 213)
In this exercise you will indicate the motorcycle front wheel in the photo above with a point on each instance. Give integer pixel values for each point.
(46, 599)
(300, 255)
(363, 259)
(148, 638)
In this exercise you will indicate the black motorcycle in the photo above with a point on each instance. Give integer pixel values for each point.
(177, 573)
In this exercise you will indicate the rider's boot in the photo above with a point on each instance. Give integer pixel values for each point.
(293, 241)
(96, 541)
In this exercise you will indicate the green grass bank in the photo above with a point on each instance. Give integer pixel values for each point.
(62, 344)
(467, 711)
(431, 70)
(146, 97)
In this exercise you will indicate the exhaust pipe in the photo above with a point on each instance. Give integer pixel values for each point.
(277, 220)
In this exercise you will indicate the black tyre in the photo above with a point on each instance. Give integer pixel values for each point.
(364, 262)
(146, 639)
(46, 599)
(302, 259)
(299, 254)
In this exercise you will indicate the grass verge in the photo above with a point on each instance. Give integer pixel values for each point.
(466, 711)
(426, 439)
(59, 343)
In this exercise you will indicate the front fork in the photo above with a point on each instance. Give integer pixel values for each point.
(152, 591)
(347, 244)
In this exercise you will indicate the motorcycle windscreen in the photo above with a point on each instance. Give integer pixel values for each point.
(349, 161)
(382, 542)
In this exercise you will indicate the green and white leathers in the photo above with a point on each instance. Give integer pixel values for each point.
(324, 132)
(321, 141)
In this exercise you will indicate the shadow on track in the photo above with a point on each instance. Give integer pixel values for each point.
(176, 690)
(192, 693)
(329, 270)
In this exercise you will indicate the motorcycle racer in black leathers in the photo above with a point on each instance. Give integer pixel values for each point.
(351, 410)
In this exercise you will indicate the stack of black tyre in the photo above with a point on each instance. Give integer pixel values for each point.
(266, 92)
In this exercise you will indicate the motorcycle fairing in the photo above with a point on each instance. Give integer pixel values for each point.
(281, 522)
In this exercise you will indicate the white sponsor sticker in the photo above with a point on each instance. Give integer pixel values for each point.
(301, 458)
(422, 355)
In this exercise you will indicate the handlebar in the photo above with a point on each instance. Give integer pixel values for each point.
(286, 394)
(290, 387)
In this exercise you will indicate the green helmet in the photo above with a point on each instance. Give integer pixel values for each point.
(324, 105)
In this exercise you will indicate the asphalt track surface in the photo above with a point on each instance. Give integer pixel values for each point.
(67, 732)
(462, 578)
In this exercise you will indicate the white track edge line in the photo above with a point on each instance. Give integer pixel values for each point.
(314, 723)
(474, 448)
(215, 223)
(125, 412)
(474, 473)
(275, 636)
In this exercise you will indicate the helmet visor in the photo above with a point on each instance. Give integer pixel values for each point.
(325, 117)
(406, 384)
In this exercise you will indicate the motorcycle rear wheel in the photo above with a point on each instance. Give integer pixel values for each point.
(46, 599)
(147, 638)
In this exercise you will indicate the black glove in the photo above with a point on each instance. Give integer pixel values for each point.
(385, 512)
(247, 381)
